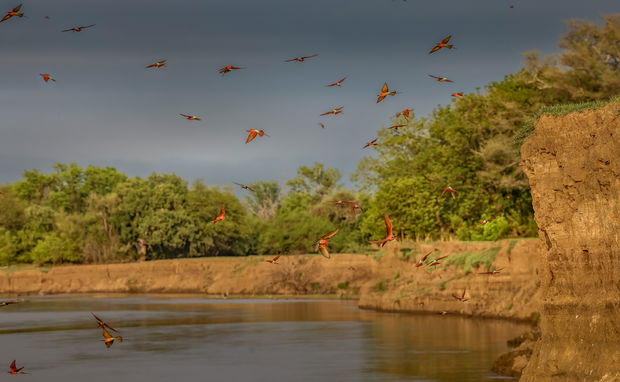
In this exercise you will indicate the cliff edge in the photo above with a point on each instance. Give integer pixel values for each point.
(573, 165)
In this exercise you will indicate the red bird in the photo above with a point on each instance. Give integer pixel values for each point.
(109, 339)
(78, 29)
(450, 190)
(253, 134)
(219, 216)
(461, 298)
(322, 125)
(5, 303)
(190, 117)
(423, 259)
(442, 44)
(435, 262)
(440, 79)
(355, 206)
(341, 203)
(396, 127)
(457, 95)
(14, 12)
(102, 324)
(47, 77)
(385, 91)
(274, 260)
(15, 369)
(335, 111)
(157, 64)
(493, 272)
(337, 83)
(405, 113)
(321, 245)
(229, 68)
(389, 236)
(244, 187)
(301, 59)
(371, 143)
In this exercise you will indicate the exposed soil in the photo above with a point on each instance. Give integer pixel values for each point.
(572, 162)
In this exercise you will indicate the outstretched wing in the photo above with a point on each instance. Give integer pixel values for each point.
(323, 250)
(427, 255)
(329, 235)
(105, 334)
(87, 26)
(275, 258)
(445, 40)
(16, 9)
(385, 88)
(13, 366)
(305, 57)
(388, 225)
(251, 136)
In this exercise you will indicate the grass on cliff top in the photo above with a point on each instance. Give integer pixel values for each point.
(469, 261)
(559, 110)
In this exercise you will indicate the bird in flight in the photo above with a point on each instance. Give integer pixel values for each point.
(371, 143)
(440, 79)
(219, 216)
(335, 111)
(301, 59)
(157, 64)
(5, 303)
(244, 186)
(423, 259)
(108, 339)
(102, 324)
(341, 203)
(389, 236)
(385, 91)
(15, 370)
(14, 12)
(396, 127)
(229, 68)
(274, 260)
(457, 95)
(190, 117)
(435, 262)
(449, 190)
(442, 44)
(461, 298)
(321, 245)
(337, 83)
(493, 272)
(78, 29)
(405, 113)
(253, 134)
(47, 77)
(355, 206)
(322, 125)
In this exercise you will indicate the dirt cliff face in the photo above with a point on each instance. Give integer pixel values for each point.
(573, 165)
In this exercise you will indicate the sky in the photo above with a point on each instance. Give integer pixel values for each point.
(107, 109)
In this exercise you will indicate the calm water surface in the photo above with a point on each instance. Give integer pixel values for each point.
(195, 339)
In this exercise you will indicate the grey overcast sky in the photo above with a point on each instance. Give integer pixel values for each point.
(106, 109)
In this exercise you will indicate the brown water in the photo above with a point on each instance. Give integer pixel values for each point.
(194, 339)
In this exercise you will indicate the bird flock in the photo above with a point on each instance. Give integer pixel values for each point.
(322, 243)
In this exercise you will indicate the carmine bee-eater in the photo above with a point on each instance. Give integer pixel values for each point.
(493, 272)
(219, 216)
(371, 143)
(335, 111)
(435, 262)
(396, 127)
(109, 339)
(102, 324)
(301, 59)
(355, 206)
(190, 117)
(341, 203)
(440, 79)
(13, 12)
(253, 133)
(157, 64)
(442, 44)
(14, 369)
(321, 245)
(422, 261)
(457, 95)
(79, 29)
(385, 91)
(5, 303)
(322, 125)
(449, 190)
(229, 68)
(460, 298)
(244, 186)
(337, 83)
(389, 236)
(274, 260)
(405, 113)
(47, 77)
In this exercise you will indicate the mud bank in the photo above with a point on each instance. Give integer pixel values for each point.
(572, 162)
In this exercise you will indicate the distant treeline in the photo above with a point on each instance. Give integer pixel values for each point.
(94, 214)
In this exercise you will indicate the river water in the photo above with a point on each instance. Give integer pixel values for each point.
(180, 338)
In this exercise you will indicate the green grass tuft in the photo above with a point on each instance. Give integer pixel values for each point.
(343, 285)
(381, 286)
(468, 261)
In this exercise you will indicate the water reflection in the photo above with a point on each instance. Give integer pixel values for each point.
(251, 340)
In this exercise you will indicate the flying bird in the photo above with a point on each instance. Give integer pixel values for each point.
(190, 117)
(229, 68)
(322, 125)
(157, 64)
(440, 79)
(385, 91)
(335, 111)
(300, 59)
(244, 186)
(405, 113)
(14, 12)
(493, 272)
(435, 262)
(5, 303)
(321, 245)
(355, 206)
(274, 260)
(442, 44)
(449, 190)
(15, 369)
(108, 339)
(457, 95)
(78, 29)
(461, 298)
(253, 134)
(371, 143)
(341, 203)
(422, 261)
(337, 83)
(102, 324)
(396, 127)
(219, 216)
(389, 236)
(47, 77)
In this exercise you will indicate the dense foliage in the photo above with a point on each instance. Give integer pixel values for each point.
(97, 214)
